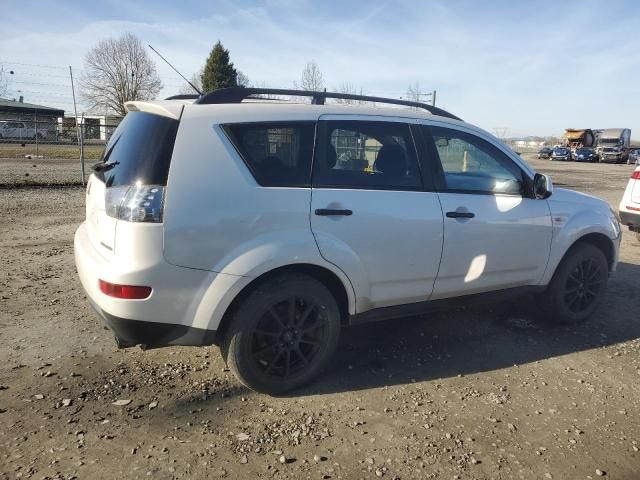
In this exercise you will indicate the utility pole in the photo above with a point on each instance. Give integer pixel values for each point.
(75, 107)
(433, 98)
(35, 124)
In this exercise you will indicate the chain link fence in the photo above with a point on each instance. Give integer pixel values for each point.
(51, 150)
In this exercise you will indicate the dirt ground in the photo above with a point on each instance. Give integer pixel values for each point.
(468, 394)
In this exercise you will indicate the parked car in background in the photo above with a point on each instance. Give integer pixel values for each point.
(629, 209)
(634, 157)
(545, 152)
(561, 153)
(585, 154)
(20, 131)
(265, 227)
(614, 154)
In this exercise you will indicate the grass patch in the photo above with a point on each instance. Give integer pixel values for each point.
(16, 150)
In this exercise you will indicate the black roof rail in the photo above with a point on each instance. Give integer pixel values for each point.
(185, 96)
(238, 94)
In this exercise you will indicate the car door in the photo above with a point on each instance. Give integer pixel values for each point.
(373, 212)
(496, 234)
(19, 131)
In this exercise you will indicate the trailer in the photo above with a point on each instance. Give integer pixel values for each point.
(578, 138)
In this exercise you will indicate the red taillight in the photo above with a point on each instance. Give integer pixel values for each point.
(127, 292)
(629, 207)
(636, 175)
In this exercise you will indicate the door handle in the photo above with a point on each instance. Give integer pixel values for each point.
(460, 215)
(327, 212)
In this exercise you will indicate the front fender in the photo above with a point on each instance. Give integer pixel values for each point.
(570, 225)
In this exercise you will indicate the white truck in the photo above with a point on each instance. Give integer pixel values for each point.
(16, 130)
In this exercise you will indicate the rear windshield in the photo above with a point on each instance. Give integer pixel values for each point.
(139, 151)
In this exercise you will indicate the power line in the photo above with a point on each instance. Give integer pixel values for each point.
(41, 84)
(33, 65)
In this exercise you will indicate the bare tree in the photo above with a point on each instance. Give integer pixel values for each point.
(414, 93)
(263, 84)
(501, 132)
(311, 78)
(118, 70)
(349, 89)
(243, 80)
(196, 79)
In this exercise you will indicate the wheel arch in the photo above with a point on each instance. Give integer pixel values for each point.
(322, 274)
(600, 241)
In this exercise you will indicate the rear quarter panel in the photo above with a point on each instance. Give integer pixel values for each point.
(218, 218)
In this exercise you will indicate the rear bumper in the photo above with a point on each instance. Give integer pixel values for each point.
(630, 219)
(169, 316)
(611, 159)
(129, 333)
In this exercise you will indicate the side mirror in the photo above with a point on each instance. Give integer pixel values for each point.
(542, 186)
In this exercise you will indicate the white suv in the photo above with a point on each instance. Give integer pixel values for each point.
(629, 209)
(265, 226)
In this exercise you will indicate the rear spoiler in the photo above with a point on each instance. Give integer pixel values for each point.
(164, 109)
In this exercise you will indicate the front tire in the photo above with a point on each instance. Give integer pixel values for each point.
(283, 334)
(578, 285)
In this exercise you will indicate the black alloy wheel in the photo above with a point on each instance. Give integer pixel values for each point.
(583, 285)
(283, 333)
(577, 287)
(289, 336)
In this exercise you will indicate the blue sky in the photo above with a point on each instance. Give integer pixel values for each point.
(533, 67)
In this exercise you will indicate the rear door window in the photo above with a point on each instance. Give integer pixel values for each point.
(278, 154)
(139, 151)
(366, 154)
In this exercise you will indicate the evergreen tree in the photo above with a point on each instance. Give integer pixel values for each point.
(219, 71)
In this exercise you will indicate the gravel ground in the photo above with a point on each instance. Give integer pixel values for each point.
(16, 172)
(463, 394)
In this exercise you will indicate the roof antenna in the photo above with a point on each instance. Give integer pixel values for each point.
(174, 69)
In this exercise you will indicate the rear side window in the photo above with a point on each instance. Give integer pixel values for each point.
(366, 154)
(139, 151)
(277, 154)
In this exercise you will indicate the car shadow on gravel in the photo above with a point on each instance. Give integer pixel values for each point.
(467, 341)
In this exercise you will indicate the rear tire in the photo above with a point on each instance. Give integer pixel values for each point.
(283, 334)
(577, 287)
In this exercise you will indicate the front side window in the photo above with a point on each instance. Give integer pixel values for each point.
(366, 154)
(471, 164)
(278, 154)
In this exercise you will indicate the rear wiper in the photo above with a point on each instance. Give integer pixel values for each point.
(103, 167)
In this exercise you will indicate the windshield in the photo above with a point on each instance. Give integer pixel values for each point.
(584, 150)
(561, 151)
